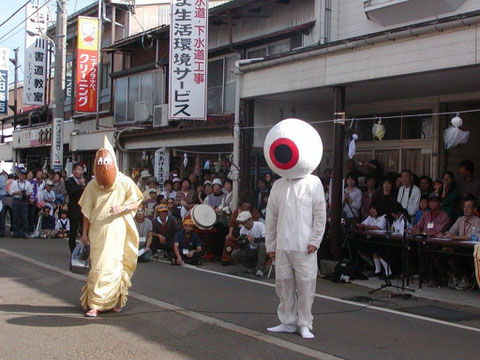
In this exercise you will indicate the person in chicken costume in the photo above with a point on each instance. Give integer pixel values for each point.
(107, 205)
(295, 222)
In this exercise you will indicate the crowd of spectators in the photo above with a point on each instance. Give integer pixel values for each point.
(445, 207)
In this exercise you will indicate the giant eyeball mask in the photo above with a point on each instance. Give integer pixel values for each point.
(293, 149)
(105, 169)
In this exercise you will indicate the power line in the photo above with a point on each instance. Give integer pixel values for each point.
(371, 118)
(11, 36)
(11, 30)
(15, 13)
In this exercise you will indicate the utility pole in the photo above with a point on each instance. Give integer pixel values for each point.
(14, 108)
(56, 157)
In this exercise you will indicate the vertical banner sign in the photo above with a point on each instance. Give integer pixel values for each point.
(4, 61)
(35, 66)
(86, 78)
(68, 83)
(188, 60)
(57, 144)
(162, 165)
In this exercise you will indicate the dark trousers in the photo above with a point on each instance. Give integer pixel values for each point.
(156, 245)
(187, 260)
(32, 217)
(3, 215)
(72, 236)
(20, 218)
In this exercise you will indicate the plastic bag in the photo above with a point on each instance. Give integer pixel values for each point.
(80, 260)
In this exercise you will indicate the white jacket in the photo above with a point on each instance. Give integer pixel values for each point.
(296, 214)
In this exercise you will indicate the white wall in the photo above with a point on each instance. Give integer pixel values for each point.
(354, 22)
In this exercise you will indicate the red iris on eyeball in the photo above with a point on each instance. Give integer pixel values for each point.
(284, 153)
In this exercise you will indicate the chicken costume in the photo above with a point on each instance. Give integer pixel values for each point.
(296, 218)
(113, 238)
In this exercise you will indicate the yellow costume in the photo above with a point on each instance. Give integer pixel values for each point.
(113, 242)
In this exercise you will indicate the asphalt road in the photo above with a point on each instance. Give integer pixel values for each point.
(208, 312)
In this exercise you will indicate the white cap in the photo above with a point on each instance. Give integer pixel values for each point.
(244, 216)
(145, 173)
(207, 182)
(217, 181)
(176, 180)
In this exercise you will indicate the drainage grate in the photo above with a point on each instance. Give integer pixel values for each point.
(441, 313)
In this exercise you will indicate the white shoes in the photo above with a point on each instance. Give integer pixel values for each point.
(306, 333)
(283, 328)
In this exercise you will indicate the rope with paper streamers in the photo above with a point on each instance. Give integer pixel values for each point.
(369, 118)
(188, 152)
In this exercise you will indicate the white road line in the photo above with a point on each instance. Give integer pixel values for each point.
(194, 315)
(331, 298)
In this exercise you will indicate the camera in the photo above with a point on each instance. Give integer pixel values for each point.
(242, 241)
(24, 194)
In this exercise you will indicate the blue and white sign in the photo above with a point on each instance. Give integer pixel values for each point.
(4, 60)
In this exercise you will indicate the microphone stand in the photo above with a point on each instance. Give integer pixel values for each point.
(388, 283)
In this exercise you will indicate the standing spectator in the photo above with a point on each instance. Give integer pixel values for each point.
(214, 200)
(48, 223)
(30, 175)
(142, 181)
(252, 250)
(385, 196)
(59, 187)
(409, 193)
(468, 182)
(185, 194)
(21, 190)
(269, 179)
(152, 184)
(74, 186)
(47, 197)
(352, 199)
(3, 194)
(227, 200)
(447, 192)
(434, 221)
(145, 232)
(62, 226)
(177, 184)
(164, 229)
(367, 196)
(261, 188)
(150, 203)
(423, 209)
(173, 210)
(187, 246)
(263, 205)
(352, 169)
(168, 192)
(375, 170)
(207, 187)
(200, 194)
(9, 182)
(425, 185)
(327, 175)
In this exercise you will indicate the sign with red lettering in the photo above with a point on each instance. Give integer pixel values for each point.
(188, 60)
(86, 81)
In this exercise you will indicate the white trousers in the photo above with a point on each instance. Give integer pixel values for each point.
(295, 283)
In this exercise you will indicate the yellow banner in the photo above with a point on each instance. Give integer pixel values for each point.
(87, 33)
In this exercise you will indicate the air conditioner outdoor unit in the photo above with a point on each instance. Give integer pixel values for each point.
(142, 111)
(160, 115)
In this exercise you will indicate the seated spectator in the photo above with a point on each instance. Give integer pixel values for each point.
(149, 204)
(425, 185)
(434, 221)
(214, 199)
(46, 197)
(62, 226)
(48, 223)
(164, 229)
(367, 196)
(385, 196)
(252, 252)
(401, 220)
(185, 194)
(227, 200)
(352, 199)
(445, 187)
(231, 242)
(200, 194)
(168, 192)
(187, 246)
(177, 185)
(423, 209)
(152, 184)
(173, 210)
(459, 270)
(409, 193)
(144, 228)
(468, 182)
(261, 188)
(375, 221)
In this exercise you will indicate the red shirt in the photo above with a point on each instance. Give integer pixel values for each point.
(433, 223)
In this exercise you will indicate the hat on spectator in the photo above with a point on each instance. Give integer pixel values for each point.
(207, 182)
(435, 196)
(176, 180)
(244, 216)
(187, 221)
(161, 208)
(50, 183)
(152, 179)
(217, 181)
(22, 171)
(141, 209)
(145, 173)
(152, 190)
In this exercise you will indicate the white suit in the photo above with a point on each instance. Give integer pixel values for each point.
(296, 218)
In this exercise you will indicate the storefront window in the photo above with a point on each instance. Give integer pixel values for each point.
(221, 85)
(388, 159)
(417, 127)
(121, 92)
(417, 160)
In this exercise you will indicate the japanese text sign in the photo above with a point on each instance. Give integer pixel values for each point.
(188, 59)
(86, 79)
(35, 81)
(162, 165)
(4, 60)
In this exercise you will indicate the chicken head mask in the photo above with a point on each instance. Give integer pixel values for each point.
(105, 168)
